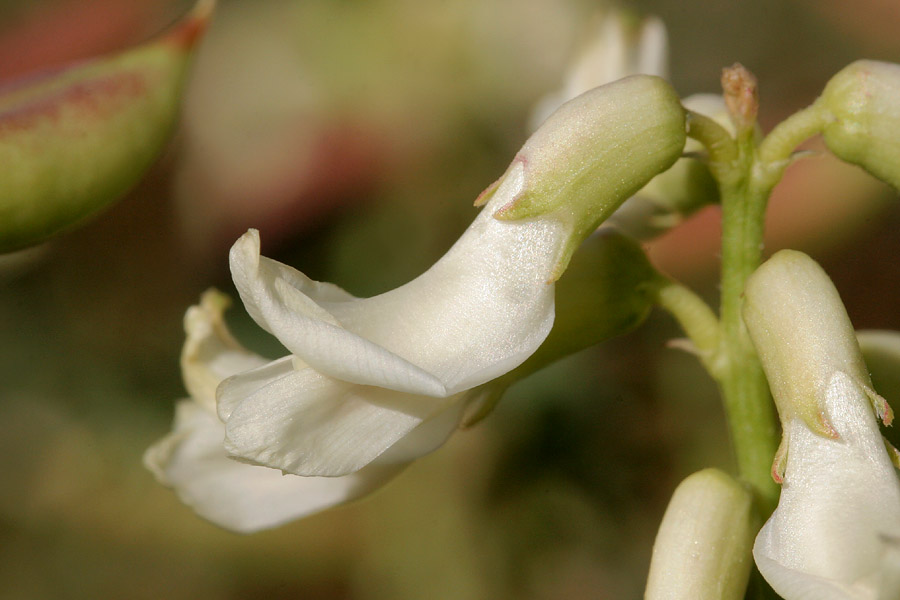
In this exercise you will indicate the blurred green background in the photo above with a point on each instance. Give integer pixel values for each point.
(355, 135)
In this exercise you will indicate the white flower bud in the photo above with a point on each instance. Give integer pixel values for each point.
(803, 337)
(833, 534)
(702, 550)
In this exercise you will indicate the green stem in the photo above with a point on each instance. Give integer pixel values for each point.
(718, 142)
(745, 391)
(746, 172)
(696, 318)
(776, 149)
(745, 195)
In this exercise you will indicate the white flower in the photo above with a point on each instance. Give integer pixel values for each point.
(835, 532)
(244, 497)
(232, 494)
(365, 411)
(371, 384)
(363, 373)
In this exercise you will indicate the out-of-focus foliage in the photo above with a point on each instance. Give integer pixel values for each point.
(76, 138)
(383, 121)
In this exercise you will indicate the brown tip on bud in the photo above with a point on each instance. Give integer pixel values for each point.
(777, 474)
(779, 463)
(885, 413)
(191, 28)
(739, 89)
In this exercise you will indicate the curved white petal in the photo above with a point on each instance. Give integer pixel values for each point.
(311, 425)
(839, 498)
(313, 334)
(479, 312)
(792, 584)
(883, 583)
(243, 497)
(245, 257)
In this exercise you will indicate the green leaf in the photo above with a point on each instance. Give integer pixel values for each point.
(75, 139)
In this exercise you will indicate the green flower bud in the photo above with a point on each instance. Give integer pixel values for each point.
(593, 153)
(702, 550)
(75, 140)
(863, 122)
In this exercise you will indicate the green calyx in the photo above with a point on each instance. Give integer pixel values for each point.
(593, 153)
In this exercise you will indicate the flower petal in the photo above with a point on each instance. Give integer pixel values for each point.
(210, 353)
(616, 47)
(312, 333)
(793, 584)
(478, 312)
(236, 389)
(652, 52)
(242, 497)
(839, 497)
(311, 425)
(248, 265)
(428, 436)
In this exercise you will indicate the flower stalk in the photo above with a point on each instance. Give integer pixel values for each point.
(742, 382)
(697, 320)
(733, 363)
(746, 169)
